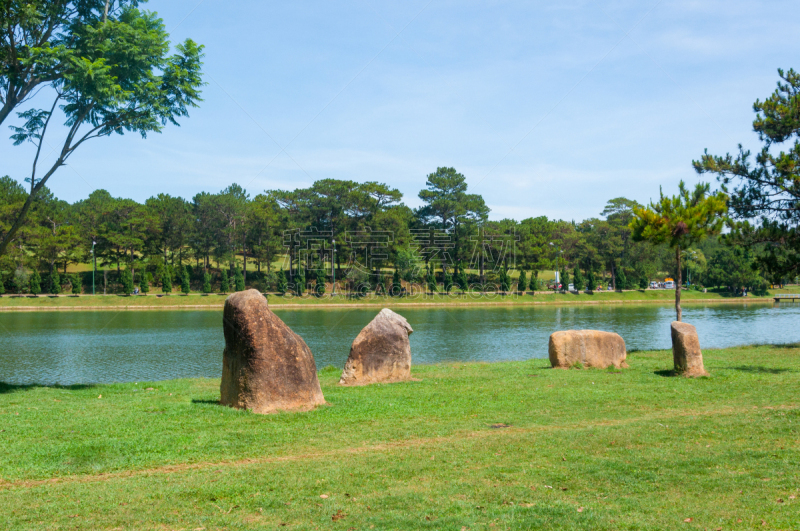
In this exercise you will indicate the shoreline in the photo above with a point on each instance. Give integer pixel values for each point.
(384, 303)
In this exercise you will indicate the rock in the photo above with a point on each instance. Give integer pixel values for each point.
(587, 348)
(265, 366)
(381, 352)
(686, 353)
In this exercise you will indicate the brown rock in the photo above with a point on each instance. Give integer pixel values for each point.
(381, 352)
(686, 353)
(265, 367)
(587, 348)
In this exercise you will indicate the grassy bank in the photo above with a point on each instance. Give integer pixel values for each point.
(217, 300)
(469, 446)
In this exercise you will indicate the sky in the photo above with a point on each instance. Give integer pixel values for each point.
(547, 108)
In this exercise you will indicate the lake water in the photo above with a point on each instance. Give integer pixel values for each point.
(102, 347)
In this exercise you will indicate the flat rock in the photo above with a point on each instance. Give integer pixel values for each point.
(266, 367)
(381, 352)
(686, 353)
(587, 348)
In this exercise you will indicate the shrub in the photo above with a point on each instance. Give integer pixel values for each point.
(206, 282)
(397, 286)
(591, 283)
(322, 279)
(238, 279)
(300, 281)
(622, 280)
(448, 281)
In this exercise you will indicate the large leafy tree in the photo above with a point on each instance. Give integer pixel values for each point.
(680, 221)
(102, 70)
(766, 189)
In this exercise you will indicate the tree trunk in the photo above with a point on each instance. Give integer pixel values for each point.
(678, 283)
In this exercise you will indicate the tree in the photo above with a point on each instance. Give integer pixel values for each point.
(577, 277)
(380, 286)
(107, 74)
(126, 282)
(448, 281)
(35, 283)
(448, 206)
(681, 221)
(397, 286)
(55, 282)
(461, 279)
(591, 283)
(75, 283)
(621, 280)
(564, 278)
(185, 283)
(283, 285)
(505, 280)
(166, 279)
(206, 282)
(224, 282)
(300, 281)
(322, 279)
(431, 281)
(768, 191)
(522, 283)
(239, 280)
(144, 283)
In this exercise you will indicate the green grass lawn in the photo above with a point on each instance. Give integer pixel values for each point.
(196, 299)
(469, 446)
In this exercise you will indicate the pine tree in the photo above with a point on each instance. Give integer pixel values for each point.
(522, 282)
(186, 287)
(505, 280)
(36, 283)
(55, 282)
(144, 284)
(448, 282)
(431, 280)
(591, 283)
(2, 286)
(126, 282)
(283, 285)
(397, 286)
(322, 280)
(75, 282)
(300, 288)
(643, 282)
(166, 279)
(564, 278)
(577, 278)
(461, 279)
(622, 280)
(380, 286)
(224, 282)
(239, 280)
(206, 282)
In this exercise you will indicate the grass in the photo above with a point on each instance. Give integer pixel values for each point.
(214, 300)
(469, 446)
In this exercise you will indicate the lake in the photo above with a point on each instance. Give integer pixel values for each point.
(103, 347)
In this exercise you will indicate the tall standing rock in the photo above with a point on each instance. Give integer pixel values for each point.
(265, 366)
(686, 353)
(381, 352)
(587, 348)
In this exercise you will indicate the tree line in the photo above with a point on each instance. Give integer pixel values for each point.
(279, 240)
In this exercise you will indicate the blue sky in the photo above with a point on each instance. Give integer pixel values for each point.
(548, 108)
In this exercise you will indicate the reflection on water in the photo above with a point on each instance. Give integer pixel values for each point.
(100, 347)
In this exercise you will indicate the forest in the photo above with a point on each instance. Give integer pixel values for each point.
(279, 241)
